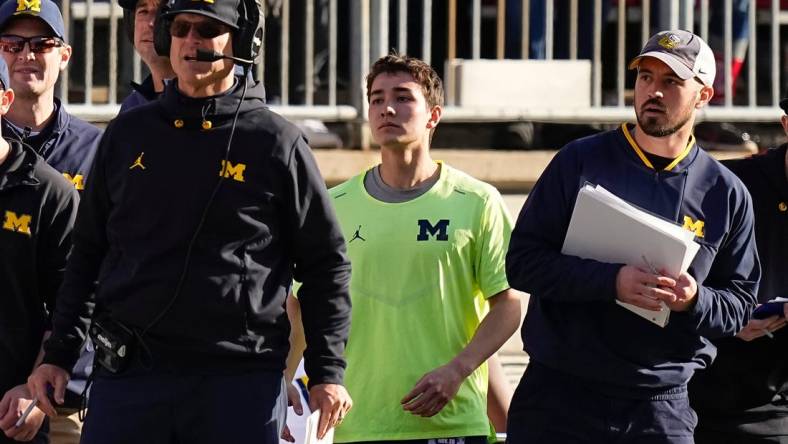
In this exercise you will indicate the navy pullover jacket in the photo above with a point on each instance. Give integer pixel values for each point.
(739, 388)
(573, 324)
(67, 143)
(271, 221)
(37, 212)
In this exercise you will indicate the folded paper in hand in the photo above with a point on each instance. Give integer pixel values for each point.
(311, 430)
(608, 229)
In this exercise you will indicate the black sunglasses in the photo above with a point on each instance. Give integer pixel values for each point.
(38, 44)
(206, 30)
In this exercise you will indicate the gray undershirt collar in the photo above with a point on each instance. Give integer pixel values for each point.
(378, 189)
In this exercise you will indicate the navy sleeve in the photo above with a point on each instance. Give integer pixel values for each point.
(75, 304)
(55, 243)
(323, 268)
(728, 295)
(534, 263)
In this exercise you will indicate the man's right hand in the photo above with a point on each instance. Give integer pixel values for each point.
(642, 289)
(43, 377)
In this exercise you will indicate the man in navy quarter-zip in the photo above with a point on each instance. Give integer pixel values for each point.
(33, 44)
(598, 373)
(200, 210)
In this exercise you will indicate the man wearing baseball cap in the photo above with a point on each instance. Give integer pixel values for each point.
(37, 211)
(743, 397)
(599, 373)
(33, 45)
(201, 209)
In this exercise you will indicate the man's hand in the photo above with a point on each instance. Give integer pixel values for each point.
(761, 327)
(294, 401)
(685, 291)
(333, 401)
(13, 404)
(643, 289)
(43, 377)
(434, 390)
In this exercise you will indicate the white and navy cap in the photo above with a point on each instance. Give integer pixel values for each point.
(684, 52)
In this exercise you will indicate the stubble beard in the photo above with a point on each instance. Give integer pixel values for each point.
(652, 126)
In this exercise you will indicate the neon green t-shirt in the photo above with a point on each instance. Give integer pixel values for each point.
(422, 271)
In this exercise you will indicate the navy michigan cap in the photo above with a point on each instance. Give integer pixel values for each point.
(45, 10)
(225, 11)
(4, 74)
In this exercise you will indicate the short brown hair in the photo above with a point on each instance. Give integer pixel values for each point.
(423, 74)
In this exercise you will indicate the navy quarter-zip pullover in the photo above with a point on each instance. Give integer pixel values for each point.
(67, 143)
(37, 211)
(573, 324)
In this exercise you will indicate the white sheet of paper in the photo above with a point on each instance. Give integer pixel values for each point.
(311, 430)
(606, 228)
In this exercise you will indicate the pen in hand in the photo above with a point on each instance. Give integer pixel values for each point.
(26, 413)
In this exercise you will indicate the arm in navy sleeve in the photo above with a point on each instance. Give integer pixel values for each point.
(323, 268)
(534, 263)
(74, 305)
(55, 243)
(726, 298)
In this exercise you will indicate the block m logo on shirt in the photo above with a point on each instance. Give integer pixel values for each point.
(17, 223)
(439, 230)
(696, 226)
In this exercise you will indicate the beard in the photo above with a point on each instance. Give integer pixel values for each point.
(667, 125)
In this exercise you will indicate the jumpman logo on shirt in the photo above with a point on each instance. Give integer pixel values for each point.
(357, 235)
(138, 162)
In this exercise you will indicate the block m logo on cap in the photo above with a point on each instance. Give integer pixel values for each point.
(28, 6)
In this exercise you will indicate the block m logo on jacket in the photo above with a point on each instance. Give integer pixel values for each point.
(234, 171)
(17, 223)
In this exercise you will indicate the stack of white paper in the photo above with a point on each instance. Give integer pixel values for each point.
(311, 430)
(606, 228)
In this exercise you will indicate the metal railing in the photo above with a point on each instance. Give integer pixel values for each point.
(318, 52)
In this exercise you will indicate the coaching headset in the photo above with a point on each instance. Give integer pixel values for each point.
(247, 38)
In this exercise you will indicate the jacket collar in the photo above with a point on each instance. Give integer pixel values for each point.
(678, 164)
(207, 112)
(146, 88)
(21, 169)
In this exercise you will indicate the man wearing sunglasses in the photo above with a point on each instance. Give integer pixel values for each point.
(202, 207)
(32, 43)
(37, 211)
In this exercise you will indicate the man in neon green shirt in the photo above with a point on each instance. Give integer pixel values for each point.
(430, 297)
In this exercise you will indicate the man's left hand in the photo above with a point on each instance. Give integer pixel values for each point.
(333, 401)
(12, 405)
(433, 391)
(686, 291)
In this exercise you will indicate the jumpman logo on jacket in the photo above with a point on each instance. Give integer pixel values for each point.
(357, 235)
(138, 162)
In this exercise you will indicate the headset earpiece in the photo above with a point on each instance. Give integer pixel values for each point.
(161, 30)
(248, 39)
